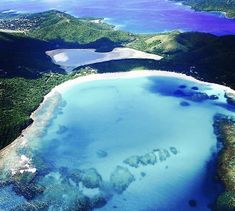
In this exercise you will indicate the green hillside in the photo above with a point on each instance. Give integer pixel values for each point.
(172, 43)
(24, 56)
(60, 27)
(19, 97)
(204, 56)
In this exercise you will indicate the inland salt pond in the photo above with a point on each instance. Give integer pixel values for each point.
(126, 141)
(135, 16)
(69, 59)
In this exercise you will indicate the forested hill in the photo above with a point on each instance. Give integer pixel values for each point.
(24, 56)
(227, 6)
(62, 28)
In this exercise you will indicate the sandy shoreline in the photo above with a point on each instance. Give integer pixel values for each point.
(134, 74)
(12, 31)
(52, 99)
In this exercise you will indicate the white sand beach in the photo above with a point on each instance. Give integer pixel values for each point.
(12, 31)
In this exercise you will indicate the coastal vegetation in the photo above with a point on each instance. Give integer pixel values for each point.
(227, 6)
(224, 128)
(203, 56)
(24, 56)
(19, 97)
(57, 26)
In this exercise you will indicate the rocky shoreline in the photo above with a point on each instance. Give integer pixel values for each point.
(224, 129)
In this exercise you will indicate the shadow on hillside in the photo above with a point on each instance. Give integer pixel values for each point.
(25, 57)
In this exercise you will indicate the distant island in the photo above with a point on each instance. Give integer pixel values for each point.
(228, 7)
(28, 74)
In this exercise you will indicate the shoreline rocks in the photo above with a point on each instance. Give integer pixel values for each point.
(224, 129)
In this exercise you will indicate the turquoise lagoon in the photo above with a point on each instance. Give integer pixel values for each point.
(140, 143)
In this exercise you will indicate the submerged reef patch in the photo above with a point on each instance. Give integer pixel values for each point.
(195, 88)
(174, 150)
(133, 161)
(101, 154)
(189, 91)
(182, 86)
(150, 158)
(184, 104)
(90, 178)
(62, 129)
(98, 201)
(32, 206)
(120, 179)
(230, 96)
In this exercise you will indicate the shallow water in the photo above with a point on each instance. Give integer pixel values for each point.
(102, 123)
(161, 15)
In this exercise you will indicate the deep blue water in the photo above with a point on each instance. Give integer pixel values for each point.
(140, 16)
(100, 125)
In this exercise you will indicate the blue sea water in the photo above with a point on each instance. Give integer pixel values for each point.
(138, 16)
(104, 122)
